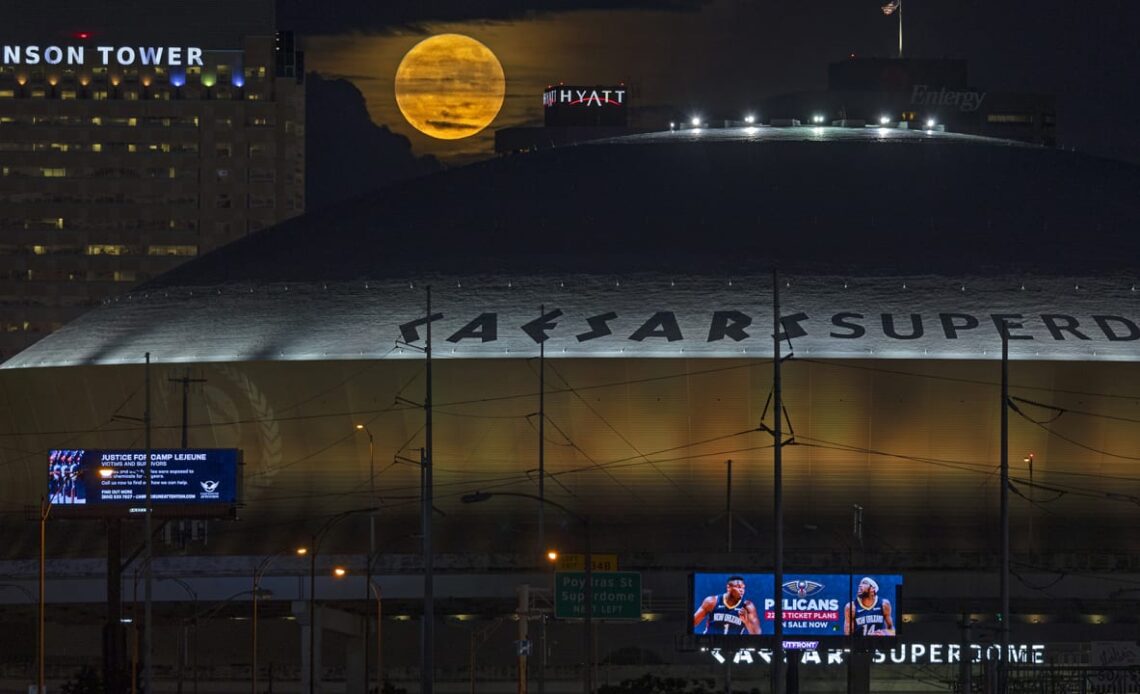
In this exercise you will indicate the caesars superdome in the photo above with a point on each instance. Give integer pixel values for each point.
(643, 269)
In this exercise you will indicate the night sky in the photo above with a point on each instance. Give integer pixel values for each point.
(718, 57)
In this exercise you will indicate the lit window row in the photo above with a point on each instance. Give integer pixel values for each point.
(77, 275)
(98, 225)
(87, 172)
(29, 326)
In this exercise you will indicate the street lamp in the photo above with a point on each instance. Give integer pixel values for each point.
(312, 551)
(588, 638)
(379, 652)
(371, 535)
(183, 655)
(258, 573)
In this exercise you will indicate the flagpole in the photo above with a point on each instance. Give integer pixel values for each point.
(900, 30)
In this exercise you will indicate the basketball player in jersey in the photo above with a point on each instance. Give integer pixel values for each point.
(729, 612)
(868, 615)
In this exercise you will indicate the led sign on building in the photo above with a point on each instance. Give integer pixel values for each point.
(902, 654)
(123, 56)
(565, 105)
(114, 482)
(743, 604)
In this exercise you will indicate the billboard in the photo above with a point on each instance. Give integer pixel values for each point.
(183, 482)
(815, 605)
(566, 105)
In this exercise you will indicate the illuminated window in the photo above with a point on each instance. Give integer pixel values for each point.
(38, 93)
(106, 249)
(183, 250)
(42, 250)
(1010, 118)
(131, 96)
(132, 122)
(67, 94)
(124, 276)
(60, 146)
(99, 95)
(253, 96)
(7, 93)
(53, 173)
(96, 147)
(132, 147)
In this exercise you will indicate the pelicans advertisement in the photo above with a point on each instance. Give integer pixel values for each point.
(814, 605)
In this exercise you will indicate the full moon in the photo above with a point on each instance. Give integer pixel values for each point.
(450, 86)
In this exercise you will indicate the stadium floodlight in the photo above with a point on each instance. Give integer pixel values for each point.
(883, 120)
(672, 125)
(750, 119)
(817, 118)
(696, 121)
(930, 123)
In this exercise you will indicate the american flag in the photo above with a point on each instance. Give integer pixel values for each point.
(891, 6)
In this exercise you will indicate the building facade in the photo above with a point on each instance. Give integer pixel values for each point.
(126, 149)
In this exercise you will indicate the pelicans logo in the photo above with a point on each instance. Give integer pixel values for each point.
(802, 588)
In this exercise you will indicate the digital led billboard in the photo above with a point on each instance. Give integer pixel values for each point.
(815, 605)
(183, 482)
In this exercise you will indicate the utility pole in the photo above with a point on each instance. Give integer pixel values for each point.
(542, 441)
(542, 492)
(186, 381)
(1003, 661)
(778, 686)
(427, 635)
(148, 586)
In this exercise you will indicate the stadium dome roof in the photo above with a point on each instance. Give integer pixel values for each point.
(664, 209)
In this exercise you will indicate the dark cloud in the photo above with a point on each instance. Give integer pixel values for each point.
(346, 153)
(450, 125)
(374, 16)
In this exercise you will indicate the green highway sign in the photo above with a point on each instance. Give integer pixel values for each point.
(617, 594)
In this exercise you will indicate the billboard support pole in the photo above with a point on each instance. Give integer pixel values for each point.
(148, 617)
(778, 686)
